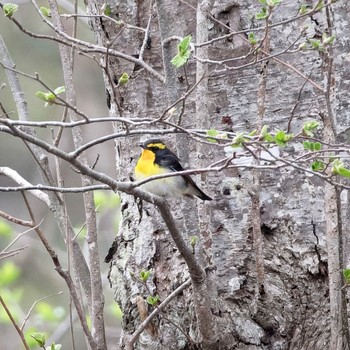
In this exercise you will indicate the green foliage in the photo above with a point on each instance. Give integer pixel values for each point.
(309, 127)
(107, 10)
(273, 3)
(282, 138)
(40, 338)
(10, 9)
(124, 79)
(183, 52)
(316, 45)
(153, 300)
(194, 240)
(144, 275)
(279, 137)
(318, 165)
(327, 40)
(346, 274)
(320, 5)
(265, 11)
(29, 339)
(50, 97)
(212, 133)
(5, 229)
(9, 273)
(263, 14)
(239, 139)
(312, 146)
(304, 9)
(319, 45)
(338, 168)
(54, 347)
(45, 11)
(252, 39)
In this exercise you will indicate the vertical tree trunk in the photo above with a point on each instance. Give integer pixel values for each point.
(293, 310)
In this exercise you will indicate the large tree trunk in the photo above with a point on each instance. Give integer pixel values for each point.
(291, 309)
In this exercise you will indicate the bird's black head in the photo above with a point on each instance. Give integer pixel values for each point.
(153, 145)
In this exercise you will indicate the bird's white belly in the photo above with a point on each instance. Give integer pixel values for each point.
(174, 186)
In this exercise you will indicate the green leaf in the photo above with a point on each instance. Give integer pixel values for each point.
(317, 146)
(30, 340)
(312, 146)
(264, 2)
(59, 90)
(10, 9)
(54, 347)
(309, 127)
(184, 45)
(264, 130)
(316, 45)
(183, 53)
(346, 274)
(43, 95)
(107, 10)
(153, 300)
(252, 39)
(269, 138)
(238, 139)
(9, 272)
(39, 338)
(306, 145)
(320, 5)
(124, 79)
(50, 97)
(45, 11)
(304, 9)
(194, 240)
(318, 165)
(263, 14)
(328, 40)
(212, 133)
(273, 3)
(281, 138)
(339, 169)
(144, 275)
(253, 133)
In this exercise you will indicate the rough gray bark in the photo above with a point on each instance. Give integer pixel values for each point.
(292, 312)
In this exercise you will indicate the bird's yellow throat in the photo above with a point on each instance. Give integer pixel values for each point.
(145, 166)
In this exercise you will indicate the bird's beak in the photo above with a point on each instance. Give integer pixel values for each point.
(141, 145)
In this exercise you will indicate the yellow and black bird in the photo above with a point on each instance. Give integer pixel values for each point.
(157, 159)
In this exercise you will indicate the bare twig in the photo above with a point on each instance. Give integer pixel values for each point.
(67, 278)
(15, 220)
(18, 329)
(33, 306)
(154, 313)
(21, 181)
(10, 253)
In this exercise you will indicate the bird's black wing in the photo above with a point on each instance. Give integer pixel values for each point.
(170, 161)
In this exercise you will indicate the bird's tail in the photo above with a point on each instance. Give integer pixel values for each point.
(196, 191)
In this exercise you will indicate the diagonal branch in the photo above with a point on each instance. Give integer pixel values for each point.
(154, 313)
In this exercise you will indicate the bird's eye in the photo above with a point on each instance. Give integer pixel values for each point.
(155, 148)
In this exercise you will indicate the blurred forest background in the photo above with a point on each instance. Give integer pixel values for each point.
(28, 276)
